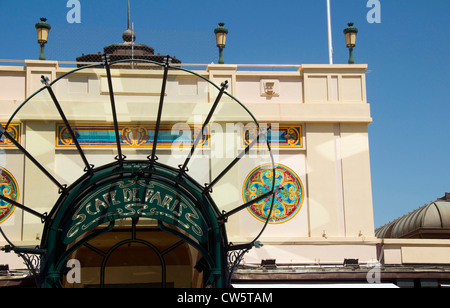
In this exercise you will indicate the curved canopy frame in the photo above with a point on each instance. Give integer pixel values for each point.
(221, 256)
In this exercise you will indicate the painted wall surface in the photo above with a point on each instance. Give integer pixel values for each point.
(321, 111)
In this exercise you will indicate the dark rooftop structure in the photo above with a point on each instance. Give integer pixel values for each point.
(430, 221)
(128, 50)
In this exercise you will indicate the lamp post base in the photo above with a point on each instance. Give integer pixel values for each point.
(351, 60)
(41, 52)
(221, 61)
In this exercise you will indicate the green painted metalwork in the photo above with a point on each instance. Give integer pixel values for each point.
(350, 31)
(131, 198)
(130, 182)
(42, 25)
(90, 206)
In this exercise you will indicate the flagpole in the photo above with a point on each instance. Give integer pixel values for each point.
(330, 42)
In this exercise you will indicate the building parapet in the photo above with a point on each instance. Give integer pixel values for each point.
(415, 251)
(290, 93)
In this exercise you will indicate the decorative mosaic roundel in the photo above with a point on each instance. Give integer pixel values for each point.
(10, 190)
(287, 201)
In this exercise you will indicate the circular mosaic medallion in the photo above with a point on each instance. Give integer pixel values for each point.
(288, 201)
(10, 190)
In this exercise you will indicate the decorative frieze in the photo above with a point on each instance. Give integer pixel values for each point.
(131, 136)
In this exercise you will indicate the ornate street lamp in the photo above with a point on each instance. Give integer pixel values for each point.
(43, 29)
(350, 38)
(221, 37)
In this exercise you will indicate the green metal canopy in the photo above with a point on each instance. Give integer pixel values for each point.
(136, 188)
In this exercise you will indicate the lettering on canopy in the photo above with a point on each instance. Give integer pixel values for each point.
(136, 198)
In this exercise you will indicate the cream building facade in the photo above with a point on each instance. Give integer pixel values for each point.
(326, 105)
(328, 102)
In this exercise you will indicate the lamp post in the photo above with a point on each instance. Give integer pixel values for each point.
(43, 28)
(350, 38)
(221, 37)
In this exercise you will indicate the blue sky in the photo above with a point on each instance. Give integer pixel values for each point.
(407, 53)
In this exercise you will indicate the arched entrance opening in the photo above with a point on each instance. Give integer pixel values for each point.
(138, 255)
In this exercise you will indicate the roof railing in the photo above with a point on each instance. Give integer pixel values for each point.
(273, 67)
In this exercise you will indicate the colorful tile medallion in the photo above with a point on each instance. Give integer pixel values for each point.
(287, 202)
(10, 190)
(131, 136)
